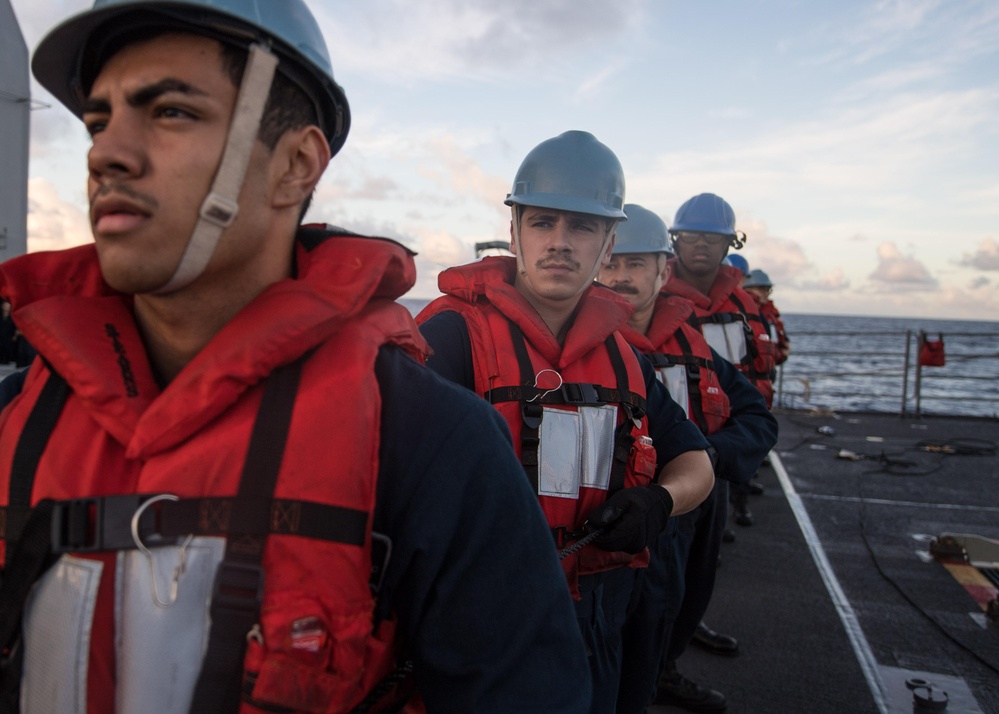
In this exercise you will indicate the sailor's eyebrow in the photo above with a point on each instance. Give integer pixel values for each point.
(145, 95)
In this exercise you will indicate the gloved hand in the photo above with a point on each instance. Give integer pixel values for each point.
(631, 518)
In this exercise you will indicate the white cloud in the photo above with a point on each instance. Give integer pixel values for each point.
(978, 300)
(985, 258)
(833, 281)
(867, 124)
(465, 175)
(898, 270)
(592, 87)
(783, 260)
(54, 224)
(951, 33)
(443, 249)
(470, 39)
(438, 251)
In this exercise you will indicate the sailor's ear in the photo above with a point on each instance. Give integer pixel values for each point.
(298, 162)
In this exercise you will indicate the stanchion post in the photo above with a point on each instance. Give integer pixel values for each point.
(919, 374)
(905, 371)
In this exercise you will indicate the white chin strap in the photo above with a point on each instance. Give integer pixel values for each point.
(220, 206)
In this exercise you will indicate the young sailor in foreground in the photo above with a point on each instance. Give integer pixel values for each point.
(216, 477)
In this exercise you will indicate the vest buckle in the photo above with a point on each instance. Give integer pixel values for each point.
(103, 523)
(579, 394)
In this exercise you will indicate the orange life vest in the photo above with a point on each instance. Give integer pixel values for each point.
(532, 380)
(726, 306)
(778, 334)
(671, 342)
(118, 435)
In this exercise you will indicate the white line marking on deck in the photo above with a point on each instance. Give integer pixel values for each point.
(861, 648)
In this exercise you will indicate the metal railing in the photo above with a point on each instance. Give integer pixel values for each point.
(882, 372)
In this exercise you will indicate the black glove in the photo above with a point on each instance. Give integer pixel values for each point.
(631, 518)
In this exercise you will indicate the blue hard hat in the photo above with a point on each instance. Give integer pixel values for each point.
(737, 261)
(708, 213)
(705, 213)
(571, 172)
(757, 279)
(643, 232)
(68, 59)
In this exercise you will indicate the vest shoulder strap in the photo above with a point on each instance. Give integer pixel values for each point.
(239, 581)
(28, 534)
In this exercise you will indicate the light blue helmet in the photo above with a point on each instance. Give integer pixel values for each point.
(643, 232)
(758, 279)
(571, 172)
(708, 213)
(738, 262)
(68, 59)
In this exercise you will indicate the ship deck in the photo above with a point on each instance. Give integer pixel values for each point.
(836, 600)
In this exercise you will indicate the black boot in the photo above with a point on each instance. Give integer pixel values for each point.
(715, 642)
(675, 689)
(740, 509)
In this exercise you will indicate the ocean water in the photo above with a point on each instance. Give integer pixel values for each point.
(862, 364)
(849, 363)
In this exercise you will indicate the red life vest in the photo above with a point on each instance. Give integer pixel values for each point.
(119, 434)
(670, 342)
(509, 338)
(778, 334)
(727, 305)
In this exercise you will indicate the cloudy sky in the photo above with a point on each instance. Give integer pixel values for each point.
(858, 141)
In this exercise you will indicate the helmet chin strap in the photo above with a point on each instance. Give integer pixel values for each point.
(517, 211)
(220, 206)
(603, 251)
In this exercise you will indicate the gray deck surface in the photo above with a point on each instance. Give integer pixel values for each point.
(832, 592)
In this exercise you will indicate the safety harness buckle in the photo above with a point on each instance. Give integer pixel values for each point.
(579, 394)
(532, 414)
(662, 361)
(87, 525)
(238, 587)
(563, 535)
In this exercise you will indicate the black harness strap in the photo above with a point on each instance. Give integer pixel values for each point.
(748, 363)
(579, 394)
(532, 400)
(694, 321)
(662, 361)
(531, 409)
(742, 310)
(29, 562)
(239, 582)
(36, 536)
(28, 534)
(37, 430)
(753, 372)
(723, 318)
(693, 379)
(623, 439)
(103, 523)
(752, 349)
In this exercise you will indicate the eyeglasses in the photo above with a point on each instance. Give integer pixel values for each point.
(709, 238)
